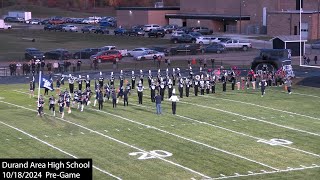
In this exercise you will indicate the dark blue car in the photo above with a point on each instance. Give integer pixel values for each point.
(213, 48)
(120, 31)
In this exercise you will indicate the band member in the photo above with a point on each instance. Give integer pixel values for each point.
(174, 99)
(173, 77)
(233, 80)
(79, 83)
(208, 86)
(67, 99)
(196, 85)
(238, 79)
(181, 85)
(149, 78)
(32, 87)
(62, 80)
(213, 84)
(40, 105)
(71, 83)
(188, 84)
(140, 92)
(153, 90)
(87, 82)
(224, 82)
(288, 84)
(263, 85)
(133, 80)
(76, 98)
(159, 76)
(114, 98)
(61, 104)
(100, 99)
(190, 73)
(254, 78)
(162, 88)
(141, 77)
(170, 87)
(202, 85)
(111, 80)
(88, 96)
(58, 84)
(107, 92)
(52, 103)
(125, 97)
(46, 91)
(101, 79)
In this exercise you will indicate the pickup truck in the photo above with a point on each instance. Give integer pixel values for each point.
(3, 25)
(123, 52)
(237, 44)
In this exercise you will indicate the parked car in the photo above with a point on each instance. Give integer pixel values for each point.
(203, 30)
(56, 21)
(137, 51)
(85, 53)
(102, 30)
(49, 27)
(123, 52)
(184, 38)
(186, 30)
(33, 53)
(177, 33)
(223, 39)
(149, 27)
(34, 21)
(206, 40)
(88, 29)
(70, 28)
(120, 31)
(315, 45)
(162, 49)
(60, 27)
(156, 33)
(135, 32)
(45, 21)
(195, 34)
(185, 48)
(105, 56)
(170, 28)
(213, 48)
(57, 54)
(237, 44)
(148, 55)
(13, 19)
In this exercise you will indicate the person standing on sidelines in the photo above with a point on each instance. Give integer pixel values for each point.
(114, 98)
(125, 96)
(263, 85)
(158, 100)
(288, 83)
(174, 99)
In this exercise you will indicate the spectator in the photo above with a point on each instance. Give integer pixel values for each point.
(74, 66)
(157, 99)
(193, 62)
(205, 63)
(65, 66)
(49, 66)
(19, 65)
(42, 65)
(200, 62)
(169, 63)
(212, 63)
(95, 64)
(56, 67)
(189, 64)
(304, 59)
(159, 62)
(308, 61)
(154, 59)
(315, 59)
(79, 65)
(11, 69)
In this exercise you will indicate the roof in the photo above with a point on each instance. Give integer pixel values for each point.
(208, 16)
(149, 8)
(291, 38)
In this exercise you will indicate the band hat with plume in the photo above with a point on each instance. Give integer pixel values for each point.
(100, 73)
(174, 91)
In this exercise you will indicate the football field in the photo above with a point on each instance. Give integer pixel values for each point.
(232, 135)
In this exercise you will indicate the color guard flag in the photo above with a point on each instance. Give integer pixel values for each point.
(46, 82)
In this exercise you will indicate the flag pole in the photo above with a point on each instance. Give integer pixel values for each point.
(39, 87)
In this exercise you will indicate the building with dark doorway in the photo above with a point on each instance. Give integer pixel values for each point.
(272, 17)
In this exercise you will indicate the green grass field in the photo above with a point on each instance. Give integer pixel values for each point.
(215, 136)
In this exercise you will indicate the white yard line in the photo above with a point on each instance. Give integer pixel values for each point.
(267, 172)
(187, 139)
(116, 140)
(236, 132)
(295, 93)
(252, 118)
(56, 148)
(265, 107)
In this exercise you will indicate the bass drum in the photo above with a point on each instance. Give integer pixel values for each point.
(265, 67)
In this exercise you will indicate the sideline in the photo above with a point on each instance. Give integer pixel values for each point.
(56, 148)
(116, 140)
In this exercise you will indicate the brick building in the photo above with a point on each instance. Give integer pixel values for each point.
(272, 17)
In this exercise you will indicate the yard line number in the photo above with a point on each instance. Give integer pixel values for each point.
(151, 154)
(275, 142)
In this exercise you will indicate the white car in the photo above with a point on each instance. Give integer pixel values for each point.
(70, 28)
(149, 55)
(150, 27)
(177, 33)
(33, 21)
(138, 51)
(207, 40)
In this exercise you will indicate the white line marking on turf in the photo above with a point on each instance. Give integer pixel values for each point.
(265, 107)
(236, 132)
(113, 139)
(252, 118)
(56, 148)
(247, 135)
(267, 172)
(187, 139)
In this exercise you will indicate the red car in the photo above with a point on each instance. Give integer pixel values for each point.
(105, 56)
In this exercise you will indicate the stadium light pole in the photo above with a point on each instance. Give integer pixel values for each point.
(300, 32)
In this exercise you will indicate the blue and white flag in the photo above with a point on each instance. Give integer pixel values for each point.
(46, 82)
